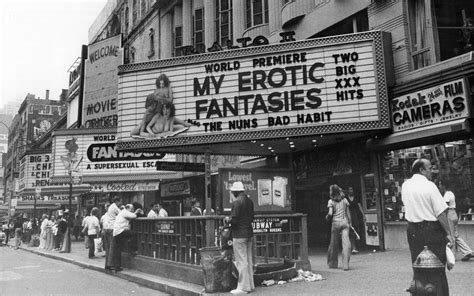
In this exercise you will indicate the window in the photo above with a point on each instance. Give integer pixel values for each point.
(256, 12)
(439, 30)
(151, 52)
(223, 21)
(132, 54)
(452, 163)
(178, 41)
(199, 30)
(135, 12)
(126, 19)
(143, 7)
(358, 22)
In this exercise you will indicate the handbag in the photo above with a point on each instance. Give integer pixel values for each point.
(98, 244)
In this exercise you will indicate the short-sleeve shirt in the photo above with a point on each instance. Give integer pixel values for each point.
(339, 209)
(422, 199)
(108, 219)
(450, 199)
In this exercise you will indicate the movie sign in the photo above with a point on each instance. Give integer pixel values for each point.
(335, 84)
(100, 84)
(35, 171)
(430, 106)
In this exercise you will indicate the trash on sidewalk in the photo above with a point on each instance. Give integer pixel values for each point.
(280, 271)
(306, 276)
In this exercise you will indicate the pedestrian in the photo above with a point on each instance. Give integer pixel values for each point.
(58, 236)
(162, 213)
(338, 211)
(122, 234)
(77, 226)
(357, 218)
(44, 225)
(153, 213)
(196, 208)
(92, 224)
(68, 225)
(241, 218)
(426, 213)
(450, 200)
(6, 230)
(108, 224)
(18, 225)
(49, 245)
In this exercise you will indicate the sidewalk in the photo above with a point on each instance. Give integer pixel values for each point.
(379, 273)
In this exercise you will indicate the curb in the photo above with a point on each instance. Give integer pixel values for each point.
(170, 286)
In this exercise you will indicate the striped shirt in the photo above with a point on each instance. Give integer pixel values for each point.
(339, 210)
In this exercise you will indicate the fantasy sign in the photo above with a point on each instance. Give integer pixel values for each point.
(325, 85)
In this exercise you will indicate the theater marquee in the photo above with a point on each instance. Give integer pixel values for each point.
(317, 86)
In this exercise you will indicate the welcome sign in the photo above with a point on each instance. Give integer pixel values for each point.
(327, 85)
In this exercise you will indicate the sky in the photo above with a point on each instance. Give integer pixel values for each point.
(40, 40)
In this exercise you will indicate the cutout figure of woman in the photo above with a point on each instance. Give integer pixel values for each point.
(165, 121)
(154, 103)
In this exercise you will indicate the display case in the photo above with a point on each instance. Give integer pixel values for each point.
(451, 161)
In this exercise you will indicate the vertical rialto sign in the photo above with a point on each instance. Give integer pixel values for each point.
(101, 83)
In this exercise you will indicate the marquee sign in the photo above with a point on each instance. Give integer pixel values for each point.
(430, 106)
(95, 154)
(326, 85)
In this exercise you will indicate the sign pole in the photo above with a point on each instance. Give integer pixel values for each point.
(209, 222)
(70, 191)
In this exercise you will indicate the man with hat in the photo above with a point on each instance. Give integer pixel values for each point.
(425, 211)
(242, 233)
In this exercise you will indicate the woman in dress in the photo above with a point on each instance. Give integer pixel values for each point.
(49, 234)
(44, 223)
(341, 223)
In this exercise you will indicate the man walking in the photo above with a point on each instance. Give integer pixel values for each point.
(242, 232)
(426, 213)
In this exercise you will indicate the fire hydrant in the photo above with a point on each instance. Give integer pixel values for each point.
(428, 270)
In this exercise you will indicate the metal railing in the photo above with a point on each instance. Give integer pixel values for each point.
(179, 239)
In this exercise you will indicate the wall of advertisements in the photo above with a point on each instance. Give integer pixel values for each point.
(270, 190)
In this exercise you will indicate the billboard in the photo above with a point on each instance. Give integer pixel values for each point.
(42, 115)
(100, 84)
(35, 171)
(269, 189)
(441, 103)
(327, 85)
(95, 155)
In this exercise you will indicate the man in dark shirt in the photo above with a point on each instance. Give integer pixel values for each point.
(242, 233)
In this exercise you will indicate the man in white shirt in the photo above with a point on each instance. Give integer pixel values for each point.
(108, 220)
(121, 234)
(426, 213)
(153, 213)
(161, 211)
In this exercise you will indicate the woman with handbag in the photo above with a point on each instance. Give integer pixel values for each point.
(93, 229)
(341, 224)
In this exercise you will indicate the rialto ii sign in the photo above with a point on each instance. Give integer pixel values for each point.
(333, 84)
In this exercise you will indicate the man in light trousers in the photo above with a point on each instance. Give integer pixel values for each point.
(242, 232)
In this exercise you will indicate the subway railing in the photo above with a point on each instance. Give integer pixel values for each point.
(179, 239)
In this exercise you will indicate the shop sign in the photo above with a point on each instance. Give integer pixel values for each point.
(335, 84)
(179, 166)
(430, 106)
(175, 188)
(125, 186)
(164, 227)
(97, 155)
(46, 198)
(217, 161)
(270, 224)
(100, 85)
(35, 171)
(270, 190)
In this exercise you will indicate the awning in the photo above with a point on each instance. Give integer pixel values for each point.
(447, 131)
(226, 146)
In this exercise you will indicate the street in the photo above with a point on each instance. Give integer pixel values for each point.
(24, 273)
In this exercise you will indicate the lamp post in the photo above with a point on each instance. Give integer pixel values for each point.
(12, 174)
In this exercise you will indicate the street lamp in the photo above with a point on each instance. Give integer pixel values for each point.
(11, 174)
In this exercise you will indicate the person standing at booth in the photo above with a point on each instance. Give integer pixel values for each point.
(108, 228)
(426, 213)
(196, 208)
(357, 219)
(242, 232)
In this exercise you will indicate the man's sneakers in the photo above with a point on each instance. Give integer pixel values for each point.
(238, 291)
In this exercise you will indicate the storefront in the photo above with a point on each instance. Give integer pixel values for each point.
(432, 122)
(308, 107)
(89, 157)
